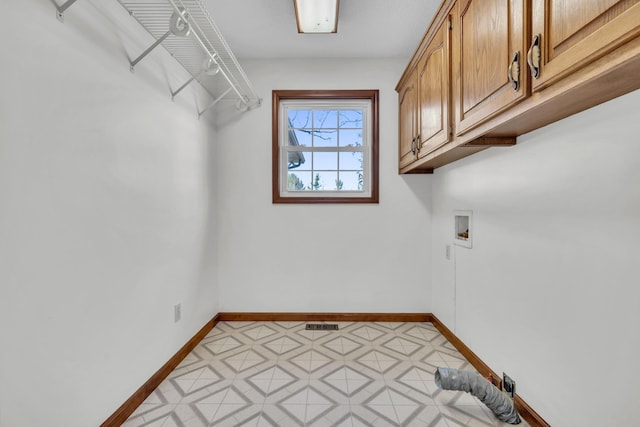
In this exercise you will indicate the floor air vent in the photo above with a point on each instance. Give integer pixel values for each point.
(321, 327)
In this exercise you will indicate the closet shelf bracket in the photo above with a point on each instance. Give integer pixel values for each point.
(215, 101)
(210, 67)
(177, 91)
(60, 9)
(133, 63)
(178, 26)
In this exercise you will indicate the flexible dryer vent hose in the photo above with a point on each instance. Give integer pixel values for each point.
(474, 383)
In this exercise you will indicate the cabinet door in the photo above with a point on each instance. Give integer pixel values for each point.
(434, 92)
(489, 45)
(573, 33)
(408, 120)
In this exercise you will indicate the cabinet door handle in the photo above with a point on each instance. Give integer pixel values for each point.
(418, 144)
(533, 56)
(514, 71)
(413, 146)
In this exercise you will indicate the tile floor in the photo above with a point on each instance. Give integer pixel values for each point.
(279, 374)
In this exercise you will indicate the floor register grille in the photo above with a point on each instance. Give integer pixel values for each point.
(321, 327)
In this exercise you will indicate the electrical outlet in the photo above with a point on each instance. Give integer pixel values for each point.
(176, 313)
(447, 251)
(509, 385)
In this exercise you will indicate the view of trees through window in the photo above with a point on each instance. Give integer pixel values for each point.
(325, 150)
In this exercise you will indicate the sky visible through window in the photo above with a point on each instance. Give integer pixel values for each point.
(334, 158)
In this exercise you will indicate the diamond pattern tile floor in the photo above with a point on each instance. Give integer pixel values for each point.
(278, 374)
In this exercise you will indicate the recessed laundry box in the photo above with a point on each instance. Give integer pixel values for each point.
(463, 231)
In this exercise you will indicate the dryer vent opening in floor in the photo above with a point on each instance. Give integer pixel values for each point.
(321, 327)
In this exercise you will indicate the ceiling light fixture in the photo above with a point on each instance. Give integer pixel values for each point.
(316, 16)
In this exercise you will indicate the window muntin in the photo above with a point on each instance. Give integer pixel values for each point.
(325, 147)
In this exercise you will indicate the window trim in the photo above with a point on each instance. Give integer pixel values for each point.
(370, 95)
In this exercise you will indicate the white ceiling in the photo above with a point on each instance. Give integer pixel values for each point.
(257, 29)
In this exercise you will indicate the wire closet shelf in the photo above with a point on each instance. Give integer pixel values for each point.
(187, 31)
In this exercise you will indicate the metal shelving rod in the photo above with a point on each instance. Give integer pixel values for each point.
(173, 94)
(149, 49)
(65, 5)
(215, 101)
(212, 56)
(224, 74)
(60, 9)
(178, 26)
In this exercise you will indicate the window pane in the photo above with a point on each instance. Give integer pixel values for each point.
(331, 181)
(323, 119)
(325, 138)
(352, 160)
(299, 181)
(351, 119)
(299, 160)
(325, 161)
(299, 137)
(322, 181)
(300, 118)
(350, 138)
(352, 181)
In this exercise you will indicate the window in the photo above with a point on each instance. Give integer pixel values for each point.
(325, 146)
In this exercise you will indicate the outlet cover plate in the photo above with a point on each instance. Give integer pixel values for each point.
(176, 313)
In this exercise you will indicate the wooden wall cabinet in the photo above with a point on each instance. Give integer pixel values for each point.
(490, 43)
(425, 101)
(569, 34)
(434, 92)
(408, 114)
(487, 71)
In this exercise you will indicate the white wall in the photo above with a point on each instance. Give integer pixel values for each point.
(549, 292)
(106, 213)
(310, 258)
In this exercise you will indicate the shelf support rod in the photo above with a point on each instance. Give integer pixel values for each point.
(149, 49)
(60, 9)
(173, 94)
(215, 101)
(222, 71)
